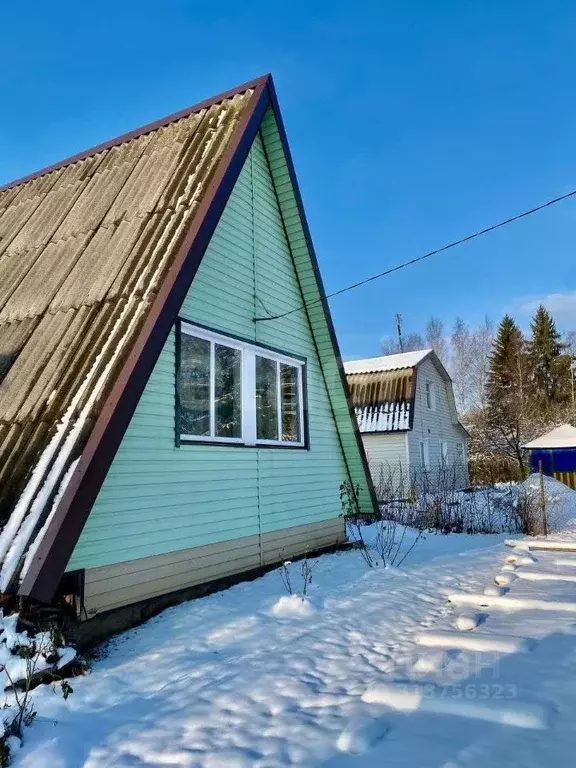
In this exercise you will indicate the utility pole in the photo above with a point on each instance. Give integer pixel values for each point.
(398, 318)
(543, 499)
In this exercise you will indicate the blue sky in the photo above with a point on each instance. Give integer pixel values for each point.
(411, 124)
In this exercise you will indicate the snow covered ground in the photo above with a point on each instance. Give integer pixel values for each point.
(378, 668)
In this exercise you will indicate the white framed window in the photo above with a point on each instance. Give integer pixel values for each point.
(444, 452)
(425, 454)
(460, 452)
(233, 391)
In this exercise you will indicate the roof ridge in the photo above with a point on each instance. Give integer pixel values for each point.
(393, 362)
(394, 354)
(137, 132)
(379, 370)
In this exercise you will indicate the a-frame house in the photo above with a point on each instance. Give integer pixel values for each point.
(173, 407)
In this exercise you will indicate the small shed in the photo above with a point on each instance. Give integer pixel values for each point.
(555, 453)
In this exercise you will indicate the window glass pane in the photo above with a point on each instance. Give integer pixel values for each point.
(290, 403)
(194, 386)
(228, 391)
(444, 452)
(424, 454)
(266, 399)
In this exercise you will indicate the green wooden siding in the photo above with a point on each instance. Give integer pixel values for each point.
(294, 228)
(159, 498)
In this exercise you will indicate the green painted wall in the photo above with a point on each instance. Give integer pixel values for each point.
(160, 498)
(308, 280)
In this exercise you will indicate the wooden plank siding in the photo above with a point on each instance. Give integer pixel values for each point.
(189, 514)
(435, 425)
(113, 586)
(387, 455)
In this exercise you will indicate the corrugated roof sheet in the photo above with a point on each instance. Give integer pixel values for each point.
(387, 362)
(383, 400)
(83, 249)
(563, 436)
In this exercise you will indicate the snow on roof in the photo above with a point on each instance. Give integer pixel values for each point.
(383, 400)
(387, 362)
(560, 437)
(387, 417)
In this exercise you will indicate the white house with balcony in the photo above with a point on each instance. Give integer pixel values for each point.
(409, 424)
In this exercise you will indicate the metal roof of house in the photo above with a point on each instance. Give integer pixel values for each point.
(563, 436)
(85, 249)
(387, 362)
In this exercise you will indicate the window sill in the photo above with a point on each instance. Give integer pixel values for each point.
(237, 444)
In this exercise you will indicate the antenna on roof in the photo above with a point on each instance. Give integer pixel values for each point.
(398, 318)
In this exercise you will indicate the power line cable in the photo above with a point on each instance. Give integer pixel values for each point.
(427, 255)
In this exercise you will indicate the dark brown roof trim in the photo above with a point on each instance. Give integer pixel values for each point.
(47, 567)
(259, 81)
(322, 291)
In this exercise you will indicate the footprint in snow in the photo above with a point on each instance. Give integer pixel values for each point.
(505, 578)
(466, 622)
(362, 735)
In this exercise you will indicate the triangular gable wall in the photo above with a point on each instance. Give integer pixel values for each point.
(164, 496)
(69, 517)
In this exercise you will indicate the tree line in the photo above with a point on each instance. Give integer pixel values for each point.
(510, 387)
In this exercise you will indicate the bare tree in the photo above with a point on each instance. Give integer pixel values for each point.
(470, 352)
(460, 362)
(436, 339)
(390, 345)
(465, 354)
(480, 348)
(570, 341)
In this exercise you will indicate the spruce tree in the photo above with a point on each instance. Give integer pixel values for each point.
(548, 362)
(506, 392)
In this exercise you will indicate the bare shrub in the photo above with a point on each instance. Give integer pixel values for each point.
(436, 501)
(531, 511)
(387, 534)
(491, 468)
(353, 518)
(306, 572)
(285, 576)
(28, 660)
(389, 540)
